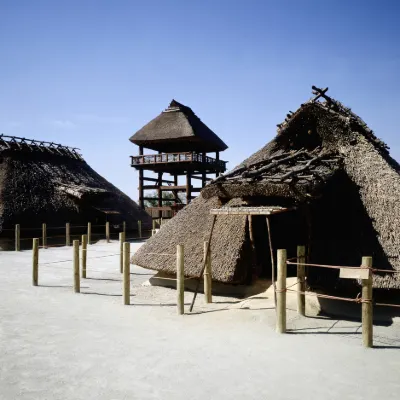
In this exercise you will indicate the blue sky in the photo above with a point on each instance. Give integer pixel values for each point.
(90, 73)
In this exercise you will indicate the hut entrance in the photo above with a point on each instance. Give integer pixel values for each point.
(265, 235)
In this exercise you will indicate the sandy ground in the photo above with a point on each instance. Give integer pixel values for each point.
(55, 344)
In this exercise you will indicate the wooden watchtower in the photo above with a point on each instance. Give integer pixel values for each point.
(180, 143)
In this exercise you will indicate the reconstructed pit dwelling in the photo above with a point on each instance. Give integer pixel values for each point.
(334, 179)
(47, 182)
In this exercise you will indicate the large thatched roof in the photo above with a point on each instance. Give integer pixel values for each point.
(46, 182)
(326, 160)
(178, 128)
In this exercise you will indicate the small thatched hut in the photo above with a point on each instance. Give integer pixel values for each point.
(46, 182)
(338, 183)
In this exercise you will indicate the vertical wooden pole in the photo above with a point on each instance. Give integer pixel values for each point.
(127, 274)
(141, 191)
(159, 193)
(67, 234)
(175, 192)
(77, 283)
(89, 232)
(188, 187)
(367, 312)
(217, 158)
(281, 292)
(154, 224)
(84, 255)
(108, 232)
(180, 279)
(140, 228)
(301, 280)
(124, 227)
(207, 274)
(121, 251)
(35, 262)
(44, 236)
(17, 238)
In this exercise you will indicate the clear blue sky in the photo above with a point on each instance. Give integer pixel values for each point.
(90, 73)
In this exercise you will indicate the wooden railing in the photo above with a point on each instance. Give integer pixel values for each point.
(176, 158)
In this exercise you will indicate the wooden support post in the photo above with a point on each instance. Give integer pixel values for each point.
(127, 274)
(35, 262)
(301, 280)
(67, 234)
(17, 238)
(89, 232)
(154, 224)
(281, 292)
(124, 227)
(217, 159)
(108, 232)
(121, 251)
(367, 312)
(207, 273)
(77, 283)
(180, 279)
(175, 193)
(44, 236)
(159, 193)
(84, 255)
(139, 223)
(188, 187)
(141, 177)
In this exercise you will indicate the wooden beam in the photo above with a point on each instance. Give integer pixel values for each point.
(200, 178)
(156, 180)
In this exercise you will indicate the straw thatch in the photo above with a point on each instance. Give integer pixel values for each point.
(52, 183)
(329, 165)
(178, 128)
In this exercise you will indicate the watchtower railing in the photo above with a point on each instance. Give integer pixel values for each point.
(181, 157)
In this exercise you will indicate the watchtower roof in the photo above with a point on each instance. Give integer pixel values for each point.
(178, 128)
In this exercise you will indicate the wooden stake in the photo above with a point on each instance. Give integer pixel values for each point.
(180, 279)
(17, 238)
(89, 233)
(44, 236)
(281, 292)
(84, 255)
(367, 312)
(67, 234)
(108, 232)
(301, 280)
(127, 274)
(35, 262)
(77, 283)
(207, 274)
(140, 228)
(121, 251)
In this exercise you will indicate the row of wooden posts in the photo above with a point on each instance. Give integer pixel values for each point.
(68, 234)
(125, 269)
(281, 290)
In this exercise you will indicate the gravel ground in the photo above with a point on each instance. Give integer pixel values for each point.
(55, 344)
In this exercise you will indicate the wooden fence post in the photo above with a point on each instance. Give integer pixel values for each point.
(207, 274)
(108, 232)
(44, 235)
(180, 279)
(367, 312)
(77, 283)
(17, 238)
(35, 262)
(121, 251)
(67, 234)
(301, 280)
(127, 274)
(154, 224)
(84, 255)
(140, 228)
(281, 292)
(89, 233)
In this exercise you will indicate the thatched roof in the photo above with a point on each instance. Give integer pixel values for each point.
(47, 182)
(178, 128)
(326, 159)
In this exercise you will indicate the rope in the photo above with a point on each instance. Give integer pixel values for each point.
(160, 254)
(387, 305)
(325, 296)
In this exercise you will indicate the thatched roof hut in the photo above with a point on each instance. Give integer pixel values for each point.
(46, 182)
(334, 175)
(178, 128)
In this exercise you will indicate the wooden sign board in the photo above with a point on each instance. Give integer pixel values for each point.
(354, 273)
